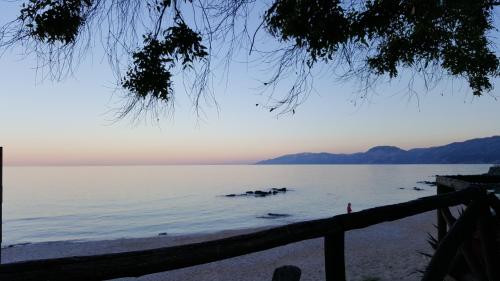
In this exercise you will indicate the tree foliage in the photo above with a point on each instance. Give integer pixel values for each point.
(364, 38)
(54, 21)
(150, 72)
(407, 33)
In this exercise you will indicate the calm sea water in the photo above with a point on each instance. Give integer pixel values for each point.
(107, 202)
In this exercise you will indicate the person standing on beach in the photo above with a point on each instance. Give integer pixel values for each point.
(349, 210)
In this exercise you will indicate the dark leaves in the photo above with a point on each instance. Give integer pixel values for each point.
(53, 21)
(394, 33)
(379, 37)
(150, 74)
(319, 26)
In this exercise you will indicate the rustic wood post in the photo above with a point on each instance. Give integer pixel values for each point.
(494, 204)
(334, 257)
(489, 246)
(142, 262)
(447, 249)
(441, 222)
(1, 201)
(466, 249)
(287, 273)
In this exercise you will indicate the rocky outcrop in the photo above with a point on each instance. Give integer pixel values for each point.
(274, 216)
(260, 193)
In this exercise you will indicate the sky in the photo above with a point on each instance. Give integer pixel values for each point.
(71, 122)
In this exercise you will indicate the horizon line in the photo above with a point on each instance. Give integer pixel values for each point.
(233, 162)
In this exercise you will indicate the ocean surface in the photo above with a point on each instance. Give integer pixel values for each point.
(109, 202)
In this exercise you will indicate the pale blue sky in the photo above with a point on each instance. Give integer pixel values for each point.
(69, 122)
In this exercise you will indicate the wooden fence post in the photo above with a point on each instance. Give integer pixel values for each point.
(335, 257)
(464, 227)
(441, 222)
(1, 200)
(489, 246)
(142, 262)
(465, 250)
(494, 204)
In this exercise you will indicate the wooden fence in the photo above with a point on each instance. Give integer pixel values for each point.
(1, 199)
(138, 263)
(447, 184)
(456, 237)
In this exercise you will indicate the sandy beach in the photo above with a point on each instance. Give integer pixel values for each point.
(388, 251)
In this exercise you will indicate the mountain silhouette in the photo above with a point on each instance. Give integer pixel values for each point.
(474, 151)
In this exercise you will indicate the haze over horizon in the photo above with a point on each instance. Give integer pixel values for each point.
(160, 162)
(72, 122)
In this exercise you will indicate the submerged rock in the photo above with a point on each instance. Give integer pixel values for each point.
(278, 215)
(260, 193)
(431, 183)
(274, 216)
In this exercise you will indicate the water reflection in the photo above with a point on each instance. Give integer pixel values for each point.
(103, 202)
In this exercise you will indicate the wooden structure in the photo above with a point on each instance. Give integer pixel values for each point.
(459, 182)
(139, 263)
(1, 199)
(476, 240)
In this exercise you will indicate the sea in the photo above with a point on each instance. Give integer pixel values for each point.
(82, 203)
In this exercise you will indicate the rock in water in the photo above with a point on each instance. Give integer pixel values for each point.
(260, 193)
(274, 216)
(277, 215)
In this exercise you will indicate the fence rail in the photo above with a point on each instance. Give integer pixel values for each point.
(1, 199)
(138, 263)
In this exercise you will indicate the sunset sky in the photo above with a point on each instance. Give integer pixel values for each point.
(71, 122)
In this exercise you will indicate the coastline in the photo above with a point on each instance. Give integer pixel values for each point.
(388, 251)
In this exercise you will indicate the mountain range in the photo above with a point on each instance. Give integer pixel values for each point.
(474, 151)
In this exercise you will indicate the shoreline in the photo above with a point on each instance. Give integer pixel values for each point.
(388, 251)
(159, 236)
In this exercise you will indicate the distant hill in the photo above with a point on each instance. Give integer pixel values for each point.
(474, 151)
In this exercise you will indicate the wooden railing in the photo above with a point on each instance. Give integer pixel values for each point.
(455, 237)
(447, 184)
(138, 263)
(1, 198)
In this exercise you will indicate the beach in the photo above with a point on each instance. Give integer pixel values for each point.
(388, 251)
